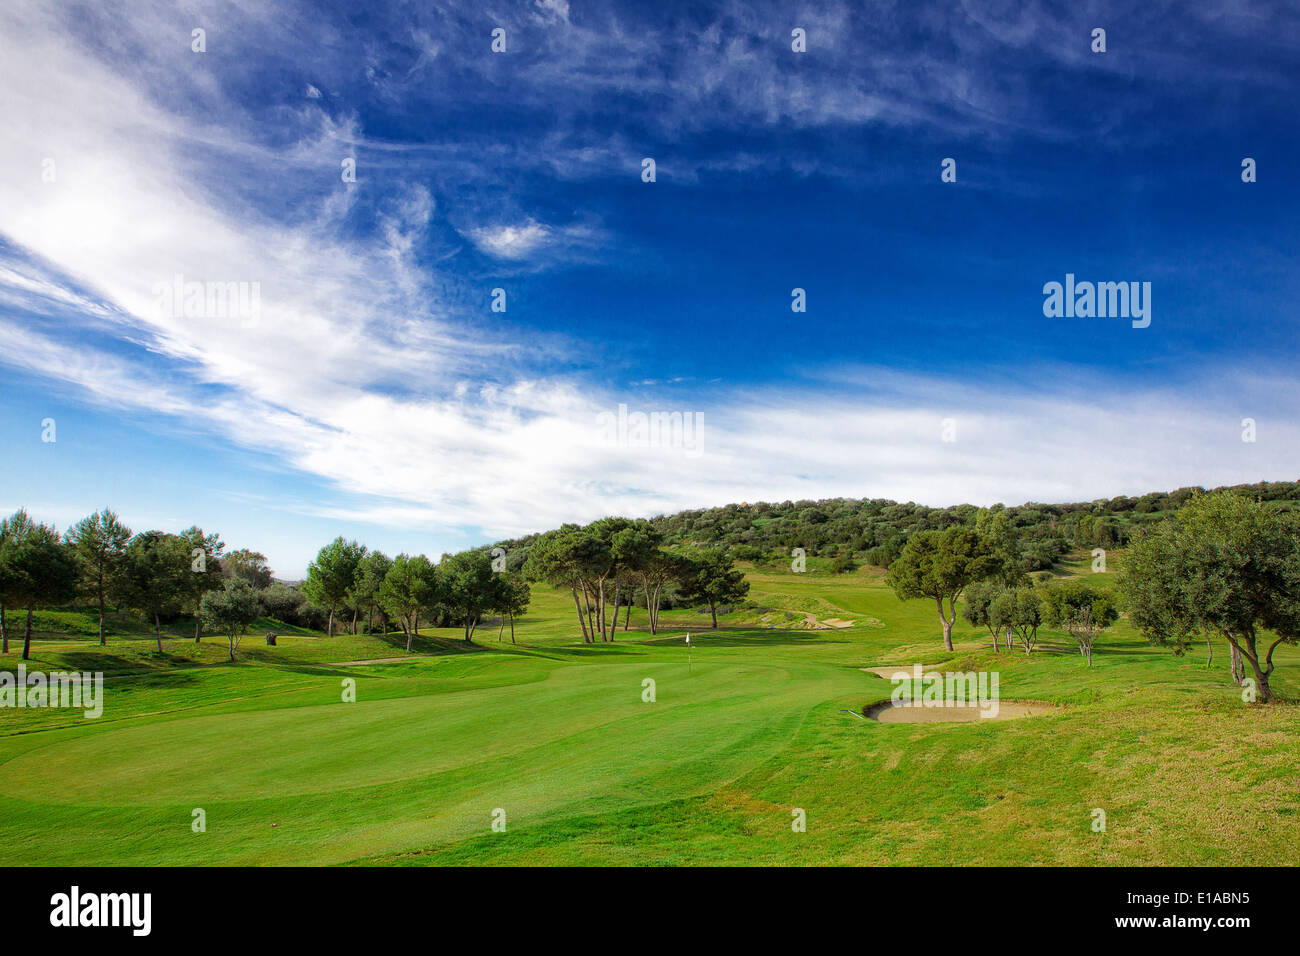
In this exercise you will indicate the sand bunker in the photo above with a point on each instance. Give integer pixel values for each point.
(891, 713)
(836, 622)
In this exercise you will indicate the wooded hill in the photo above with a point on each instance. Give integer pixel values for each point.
(874, 530)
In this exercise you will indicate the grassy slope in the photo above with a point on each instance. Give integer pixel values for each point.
(557, 735)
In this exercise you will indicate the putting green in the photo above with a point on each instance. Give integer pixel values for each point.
(580, 738)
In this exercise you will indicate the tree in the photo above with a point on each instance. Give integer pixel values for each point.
(636, 550)
(1158, 597)
(662, 567)
(247, 566)
(941, 565)
(282, 602)
(411, 583)
(512, 597)
(153, 578)
(1082, 610)
(331, 576)
(599, 563)
(710, 576)
(205, 551)
(1003, 540)
(41, 572)
(1225, 565)
(229, 610)
(99, 544)
(12, 531)
(975, 608)
(1018, 610)
(370, 574)
(554, 558)
(468, 587)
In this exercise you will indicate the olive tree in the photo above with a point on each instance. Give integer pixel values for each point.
(1082, 610)
(1224, 565)
(1018, 610)
(229, 611)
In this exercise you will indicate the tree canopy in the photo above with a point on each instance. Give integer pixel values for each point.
(331, 576)
(940, 565)
(1225, 566)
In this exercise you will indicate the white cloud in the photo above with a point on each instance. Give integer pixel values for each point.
(511, 242)
(553, 10)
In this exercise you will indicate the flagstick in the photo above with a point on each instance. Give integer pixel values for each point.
(688, 655)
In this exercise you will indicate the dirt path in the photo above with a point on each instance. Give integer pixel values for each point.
(901, 671)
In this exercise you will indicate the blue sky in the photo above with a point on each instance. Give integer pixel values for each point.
(377, 394)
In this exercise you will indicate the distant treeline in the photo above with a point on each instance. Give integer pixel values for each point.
(161, 576)
(875, 530)
(669, 561)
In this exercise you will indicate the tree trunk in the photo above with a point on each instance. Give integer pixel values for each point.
(512, 627)
(198, 628)
(649, 613)
(354, 621)
(501, 629)
(27, 637)
(618, 593)
(947, 624)
(329, 631)
(157, 631)
(232, 648)
(102, 640)
(4, 631)
(1209, 647)
(1247, 649)
(713, 610)
(627, 618)
(600, 610)
(578, 607)
(590, 635)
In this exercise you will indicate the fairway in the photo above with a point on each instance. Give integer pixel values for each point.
(557, 735)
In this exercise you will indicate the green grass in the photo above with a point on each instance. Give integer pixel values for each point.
(556, 734)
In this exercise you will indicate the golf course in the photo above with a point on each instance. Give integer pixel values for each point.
(645, 750)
